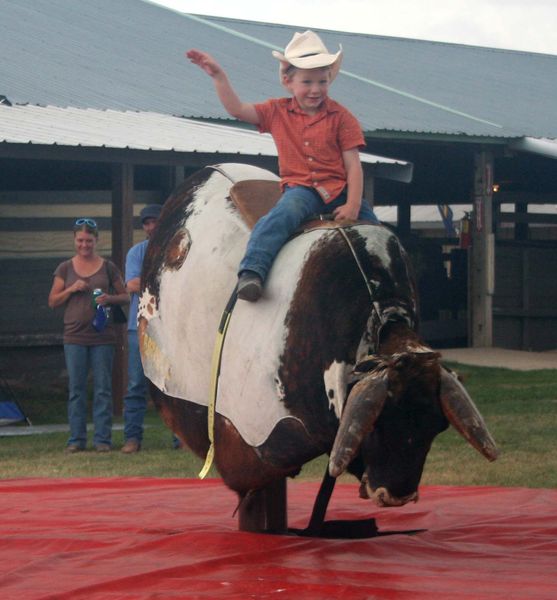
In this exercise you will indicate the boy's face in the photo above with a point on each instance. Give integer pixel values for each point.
(309, 86)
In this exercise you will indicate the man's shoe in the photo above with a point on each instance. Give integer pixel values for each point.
(250, 286)
(102, 448)
(131, 446)
(73, 448)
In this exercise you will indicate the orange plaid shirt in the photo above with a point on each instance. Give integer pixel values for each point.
(310, 146)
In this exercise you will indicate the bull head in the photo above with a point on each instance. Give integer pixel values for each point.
(367, 400)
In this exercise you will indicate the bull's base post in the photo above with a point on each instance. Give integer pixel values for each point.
(264, 511)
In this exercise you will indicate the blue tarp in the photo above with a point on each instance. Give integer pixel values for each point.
(10, 413)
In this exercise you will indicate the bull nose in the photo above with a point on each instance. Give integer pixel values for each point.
(383, 498)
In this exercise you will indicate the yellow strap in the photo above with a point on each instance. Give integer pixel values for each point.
(215, 372)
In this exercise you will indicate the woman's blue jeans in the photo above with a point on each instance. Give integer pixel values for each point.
(79, 359)
(296, 205)
(135, 402)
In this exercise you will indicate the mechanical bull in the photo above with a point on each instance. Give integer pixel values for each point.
(327, 361)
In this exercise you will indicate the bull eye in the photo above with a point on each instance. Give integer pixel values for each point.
(331, 394)
(410, 441)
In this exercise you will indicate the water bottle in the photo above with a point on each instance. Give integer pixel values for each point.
(96, 293)
(101, 316)
(100, 319)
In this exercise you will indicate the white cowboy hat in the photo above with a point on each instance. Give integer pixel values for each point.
(307, 51)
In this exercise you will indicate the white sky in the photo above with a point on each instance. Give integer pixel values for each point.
(513, 24)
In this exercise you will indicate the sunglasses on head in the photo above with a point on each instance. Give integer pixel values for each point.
(88, 222)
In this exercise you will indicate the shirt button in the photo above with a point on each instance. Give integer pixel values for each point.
(310, 158)
(306, 143)
(315, 183)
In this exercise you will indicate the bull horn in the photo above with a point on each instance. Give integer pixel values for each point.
(363, 407)
(463, 415)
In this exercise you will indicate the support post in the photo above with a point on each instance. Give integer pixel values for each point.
(171, 177)
(369, 188)
(404, 218)
(264, 510)
(481, 267)
(521, 229)
(122, 238)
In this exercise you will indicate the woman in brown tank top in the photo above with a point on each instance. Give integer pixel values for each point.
(85, 348)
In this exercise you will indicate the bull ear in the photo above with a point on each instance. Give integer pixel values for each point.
(463, 415)
(363, 407)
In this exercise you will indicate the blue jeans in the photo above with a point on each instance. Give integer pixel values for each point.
(135, 402)
(271, 232)
(79, 359)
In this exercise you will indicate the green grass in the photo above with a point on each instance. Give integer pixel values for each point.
(42, 456)
(520, 408)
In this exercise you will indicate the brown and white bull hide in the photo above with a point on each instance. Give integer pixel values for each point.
(287, 364)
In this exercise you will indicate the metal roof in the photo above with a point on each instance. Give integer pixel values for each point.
(429, 216)
(543, 146)
(94, 128)
(129, 55)
(116, 129)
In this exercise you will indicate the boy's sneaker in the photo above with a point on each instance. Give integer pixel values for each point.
(250, 286)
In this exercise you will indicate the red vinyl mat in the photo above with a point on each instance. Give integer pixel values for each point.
(132, 538)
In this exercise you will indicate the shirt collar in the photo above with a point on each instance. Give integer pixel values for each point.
(293, 106)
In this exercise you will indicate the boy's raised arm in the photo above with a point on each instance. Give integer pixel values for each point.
(228, 97)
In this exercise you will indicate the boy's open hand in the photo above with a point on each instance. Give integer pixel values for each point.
(243, 111)
(204, 61)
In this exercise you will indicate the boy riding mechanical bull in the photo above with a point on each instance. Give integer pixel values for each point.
(328, 360)
(317, 141)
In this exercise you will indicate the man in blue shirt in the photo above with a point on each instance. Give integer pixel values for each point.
(135, 402)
